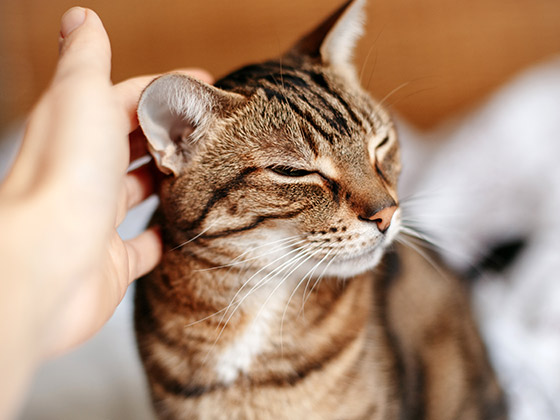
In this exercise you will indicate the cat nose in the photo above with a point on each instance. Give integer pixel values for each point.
(382, 217)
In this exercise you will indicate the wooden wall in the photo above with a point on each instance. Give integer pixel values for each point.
(441, 55)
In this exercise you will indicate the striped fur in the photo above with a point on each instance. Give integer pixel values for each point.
(279, 295)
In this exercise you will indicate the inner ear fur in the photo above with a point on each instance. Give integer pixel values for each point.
(175, 111)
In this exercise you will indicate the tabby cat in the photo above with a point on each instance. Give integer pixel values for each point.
(280, 295)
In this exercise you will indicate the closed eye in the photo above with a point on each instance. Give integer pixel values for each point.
(377, 161)
(289, 171)
(383, 142)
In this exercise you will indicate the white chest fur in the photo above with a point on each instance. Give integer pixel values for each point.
(266, 306)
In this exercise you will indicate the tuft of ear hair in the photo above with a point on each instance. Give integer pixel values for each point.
(174, 111)
(334, 40)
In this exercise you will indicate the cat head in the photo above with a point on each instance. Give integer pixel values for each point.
(290, 156)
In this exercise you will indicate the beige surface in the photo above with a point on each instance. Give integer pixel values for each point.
(448, 53)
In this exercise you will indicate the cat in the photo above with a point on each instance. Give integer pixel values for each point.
(281, 294)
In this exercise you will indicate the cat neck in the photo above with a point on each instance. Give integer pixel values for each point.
(250, 330)
(240, 293)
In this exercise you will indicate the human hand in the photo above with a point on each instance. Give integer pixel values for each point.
(65, 268)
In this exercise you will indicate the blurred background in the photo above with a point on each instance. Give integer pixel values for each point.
(441, 55)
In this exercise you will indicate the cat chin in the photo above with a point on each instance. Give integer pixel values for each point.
(349, 266)
(355, 266)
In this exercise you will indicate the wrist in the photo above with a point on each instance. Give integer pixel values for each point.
(21, 350)
(22, 316)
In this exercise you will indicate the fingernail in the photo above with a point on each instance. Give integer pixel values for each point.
(71, 20)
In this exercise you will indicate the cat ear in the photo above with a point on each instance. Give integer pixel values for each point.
(334, 40)
(175, 111)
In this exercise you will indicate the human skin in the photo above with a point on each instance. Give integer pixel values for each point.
(64, 268)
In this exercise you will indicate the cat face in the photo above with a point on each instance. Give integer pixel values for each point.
(288, 162)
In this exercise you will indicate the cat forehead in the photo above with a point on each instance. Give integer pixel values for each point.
(287, 81)
(306, 95)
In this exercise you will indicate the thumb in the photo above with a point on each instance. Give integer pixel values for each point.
(84, 45)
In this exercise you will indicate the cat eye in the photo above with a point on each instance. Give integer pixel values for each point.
(384, 141)
(289, 171)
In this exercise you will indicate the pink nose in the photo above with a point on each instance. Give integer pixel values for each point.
(383, 217)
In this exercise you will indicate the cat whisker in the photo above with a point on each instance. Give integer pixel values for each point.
(416, 211)
(194, 238)
(418, 249)
(296, 250)
(364, 64)
(430, 241)
(285, 244)
(198, 321)
(410, 231)
(306, 297)
(375, 61)
(283, 88)
(425, 196)
(259, 284)
(337, 253)
(264, 279)
(234, 298)
(280, 283)
(381, 103)
(372, 71)
(282, 73)
(418, 229)
(307, 276)
(302, 260)
(420, 240)
(402, 98)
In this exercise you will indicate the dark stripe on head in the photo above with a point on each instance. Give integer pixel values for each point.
(287, 79)
(319, 80)
(310, 96)
(308, 136)
(275, 94)
(306, 116)
(336, 120)
(249, 76)
(350, 111)
(218, 195)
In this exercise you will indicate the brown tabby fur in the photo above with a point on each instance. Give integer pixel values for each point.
(395, 342)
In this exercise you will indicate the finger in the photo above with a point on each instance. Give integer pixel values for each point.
(129, 91)
(144, 253)
(84, 45)
(138, 145)
(138, 185)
